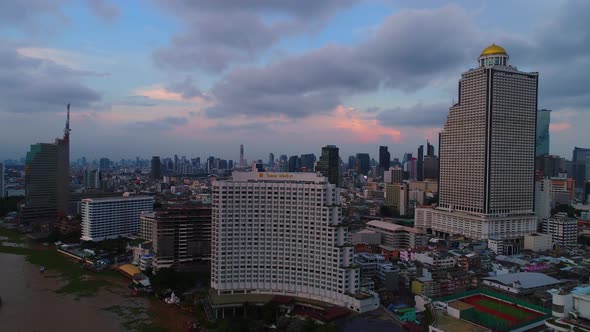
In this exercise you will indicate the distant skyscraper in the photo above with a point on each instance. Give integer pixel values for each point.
(92, 179)
(2, 186)
(429, 149)
(579, 158)
(105, 164)
(307, 161)
(47, 178)
(156, 171)
(487, 153)
(420, 164)
(542, 141)
(384, 158)
(329, 164)
(364, 163)
(294, 165)
(271, 159)
(242, 162)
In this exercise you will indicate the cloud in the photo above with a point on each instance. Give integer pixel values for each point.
(159, 124)
(419, 115)
(316, 82)
(186, 88)
(25, 13)
(104, 10)
(208, 42)
(36, 85)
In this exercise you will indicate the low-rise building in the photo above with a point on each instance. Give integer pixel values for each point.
(397, 236)
(521, 283)
(538, 242)
(563, 230)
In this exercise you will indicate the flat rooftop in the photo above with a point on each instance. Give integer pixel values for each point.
(118, 199)
(391, 226)
(460, 305)
(278, 177)
(449, 323)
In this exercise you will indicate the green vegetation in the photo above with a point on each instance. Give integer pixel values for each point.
(12, 235)
(167, 278)
(505, 309)
(135, 318)
(570, 210)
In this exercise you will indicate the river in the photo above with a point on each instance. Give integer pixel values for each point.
(29, 303)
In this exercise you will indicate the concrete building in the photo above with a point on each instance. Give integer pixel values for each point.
(397, 197)
(92, 178)
(481, 195)
(579, 158)
(107, 218)
(543, 198)
(366, 236)
(562, 190)
(393, 175)
(282, 234)
(563, 230)
(180, 235)
(542, 141)
(397, 236)
(538, 242)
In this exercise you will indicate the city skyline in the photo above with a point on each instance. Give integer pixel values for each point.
(188, 85)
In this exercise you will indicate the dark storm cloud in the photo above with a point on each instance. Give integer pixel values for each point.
(405, 53)
(104, 10)
(34, 85)
(420, 115)
(186, 88)
(219, 33)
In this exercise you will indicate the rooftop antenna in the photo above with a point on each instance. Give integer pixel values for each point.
(67, 129)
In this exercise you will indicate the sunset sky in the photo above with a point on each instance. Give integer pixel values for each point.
(201, 77)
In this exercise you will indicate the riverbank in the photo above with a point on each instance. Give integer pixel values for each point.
(67, 297)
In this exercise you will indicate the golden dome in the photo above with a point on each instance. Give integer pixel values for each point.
(493, 49)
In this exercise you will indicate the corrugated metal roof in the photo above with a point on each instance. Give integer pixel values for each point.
(526, 279)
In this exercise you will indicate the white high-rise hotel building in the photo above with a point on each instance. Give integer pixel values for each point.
(487, 151)
(282, 233)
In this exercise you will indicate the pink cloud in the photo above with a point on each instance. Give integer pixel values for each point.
(159, 93)
(559, 127)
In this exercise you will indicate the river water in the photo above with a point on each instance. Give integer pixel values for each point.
(29, 303)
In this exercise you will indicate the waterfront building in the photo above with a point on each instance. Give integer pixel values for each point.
(542, 140)
(487, 153)
(47, 178)
(180, 235)
(108, 218)
(282, 234)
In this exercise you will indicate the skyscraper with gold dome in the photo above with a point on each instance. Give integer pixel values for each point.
(487, 154)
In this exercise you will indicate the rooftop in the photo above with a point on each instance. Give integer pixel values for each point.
(392, 227)
(448, 323)
(526, 279)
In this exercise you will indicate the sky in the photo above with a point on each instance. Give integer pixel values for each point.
(200, 77)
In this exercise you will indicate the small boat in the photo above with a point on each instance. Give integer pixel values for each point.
(42, 269)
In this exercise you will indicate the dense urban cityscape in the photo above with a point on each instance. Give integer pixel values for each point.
(480, 227)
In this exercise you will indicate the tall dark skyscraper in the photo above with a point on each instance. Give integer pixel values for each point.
(104, 163)
(429, 149)
(156, 171)
(307, 161)
(329, 164)
(47, 178)
(271, 159)
(364, 163)
(579, 159)
(242, 162)
(420, 164)
(294, 165)
(542, 141)
(384, 158)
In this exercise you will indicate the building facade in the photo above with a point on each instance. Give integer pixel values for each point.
(329, 164)
(109, 218)
(282, 233)
(180, 235)
(47, 178)
(2, 186)
(156, 170)
(542, 141)
(563, 230)
(487, 153)
(579, 158)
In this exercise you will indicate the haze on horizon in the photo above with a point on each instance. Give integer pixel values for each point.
(201, 77)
